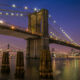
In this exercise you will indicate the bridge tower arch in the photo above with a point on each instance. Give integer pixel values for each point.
(38, 23)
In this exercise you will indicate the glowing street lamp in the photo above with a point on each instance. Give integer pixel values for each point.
(51, 36)
(12, 27)
(0, 13)
(17, 14)
(12, 14)
(35, 9)
(1, 21)
(54, 21)
(25, 7)
(7, 13)
(49, 16)
(21, 14)
(13, 5)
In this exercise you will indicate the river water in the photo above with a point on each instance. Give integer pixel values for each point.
(63, 69)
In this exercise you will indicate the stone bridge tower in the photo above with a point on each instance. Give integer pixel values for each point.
(38, 23)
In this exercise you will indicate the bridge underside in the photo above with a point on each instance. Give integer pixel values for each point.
(4, 30)
(63, 43)
(34, 48)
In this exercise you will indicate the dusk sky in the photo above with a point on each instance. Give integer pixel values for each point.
(65, 12)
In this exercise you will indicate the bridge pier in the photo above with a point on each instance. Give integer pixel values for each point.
(46, 65)
(38, 22)
(19, 65)
(5, 68)
(45, 60)
(45, 56)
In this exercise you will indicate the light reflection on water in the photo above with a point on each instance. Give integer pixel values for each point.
(66, 69)
(63, 69)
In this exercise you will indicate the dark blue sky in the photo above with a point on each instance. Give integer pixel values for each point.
(65, 12)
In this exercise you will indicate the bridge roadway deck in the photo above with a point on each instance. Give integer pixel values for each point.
(19, 33)
(63, 43)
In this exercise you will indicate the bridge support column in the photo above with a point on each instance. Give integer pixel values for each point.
(45, 61)
(40, 47)
(45, 56)
(19, 65)
(34, 48)
(5, 68)
(45, 65)
(28, 49)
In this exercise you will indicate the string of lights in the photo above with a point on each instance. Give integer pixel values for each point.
(69, 38)
(53, 33)
(19, 7)
(56, 31)
(12, 14)
(16, 12)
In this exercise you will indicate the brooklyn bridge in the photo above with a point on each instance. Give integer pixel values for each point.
(38, 35)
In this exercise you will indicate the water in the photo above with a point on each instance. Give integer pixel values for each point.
(63, 69)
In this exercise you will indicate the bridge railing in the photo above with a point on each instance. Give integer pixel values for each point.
(14, 27)
(65, 41)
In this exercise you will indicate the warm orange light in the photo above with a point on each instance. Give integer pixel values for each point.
(12, 27)
(26, 30)
(1, 22)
